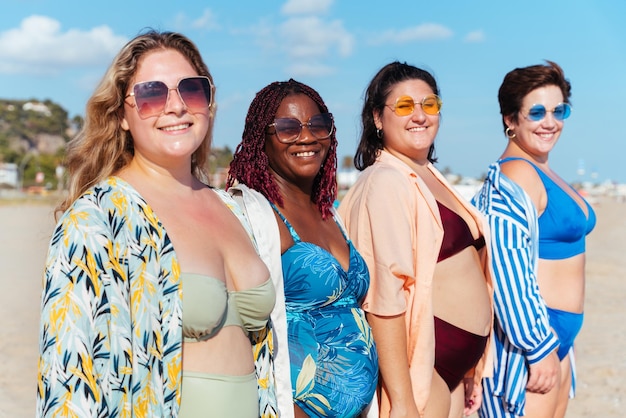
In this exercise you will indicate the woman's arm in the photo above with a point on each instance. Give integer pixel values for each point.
(381, 216)
(390, 336)
(73, 304)
(519, 307)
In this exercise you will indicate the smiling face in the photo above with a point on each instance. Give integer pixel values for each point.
(301, 160)
(537, 138)
(408, 137)
(172, 136)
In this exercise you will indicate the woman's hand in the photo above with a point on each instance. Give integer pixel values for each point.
(473, 396)
(544, 374)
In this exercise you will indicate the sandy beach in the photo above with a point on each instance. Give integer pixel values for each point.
(601, 347)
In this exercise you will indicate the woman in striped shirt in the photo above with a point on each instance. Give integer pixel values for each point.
(538, 226)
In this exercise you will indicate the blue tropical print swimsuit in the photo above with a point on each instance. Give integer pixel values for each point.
(334, 364)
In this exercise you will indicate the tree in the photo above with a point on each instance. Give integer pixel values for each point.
(219, 158)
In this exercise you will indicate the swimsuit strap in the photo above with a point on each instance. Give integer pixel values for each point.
(504, 160)
(294, 234)
(343, 232)
(545, 176)
(292, 231)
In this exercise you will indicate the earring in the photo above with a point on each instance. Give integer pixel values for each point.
(509, 133)
(379, 133)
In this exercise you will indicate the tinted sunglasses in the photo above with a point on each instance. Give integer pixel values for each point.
(151, 96)
(538, 111)
(288, 130)
(405, 105)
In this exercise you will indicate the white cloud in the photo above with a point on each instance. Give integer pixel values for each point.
(296, 7)
(208, 21)
(40, 46)
(424, 32)
(311, 37)
(304, 46)
(475, 36)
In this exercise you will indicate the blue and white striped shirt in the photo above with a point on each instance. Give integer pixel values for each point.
(522, 331)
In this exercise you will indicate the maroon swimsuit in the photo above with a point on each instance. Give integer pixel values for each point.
(456, 350)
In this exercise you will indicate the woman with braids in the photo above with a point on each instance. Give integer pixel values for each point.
(284, 167)
(152, 285)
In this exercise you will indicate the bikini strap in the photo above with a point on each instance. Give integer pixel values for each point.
(292, 231)
(340, 226)
(545, 177)
(294, 234)
(537, 169)
(504, 160)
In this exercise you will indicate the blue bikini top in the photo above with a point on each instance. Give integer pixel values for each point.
(563, 224)
(315, 279)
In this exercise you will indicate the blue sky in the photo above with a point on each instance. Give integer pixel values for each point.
(59, 50)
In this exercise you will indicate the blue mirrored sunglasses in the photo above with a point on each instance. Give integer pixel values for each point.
(538, 111)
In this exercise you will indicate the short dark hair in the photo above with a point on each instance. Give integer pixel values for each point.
(521, 81)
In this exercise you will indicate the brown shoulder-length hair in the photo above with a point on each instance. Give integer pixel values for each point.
(250, 165)
(521, 81)
(102, 147)
(376, 96)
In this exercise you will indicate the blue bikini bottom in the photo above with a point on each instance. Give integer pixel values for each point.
(567, 325)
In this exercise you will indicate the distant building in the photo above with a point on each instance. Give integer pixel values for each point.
(346, 178)
(8, 175)
(37, 107)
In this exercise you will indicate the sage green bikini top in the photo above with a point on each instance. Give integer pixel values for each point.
(208, 306)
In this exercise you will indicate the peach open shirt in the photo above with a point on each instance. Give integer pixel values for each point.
(393, 220)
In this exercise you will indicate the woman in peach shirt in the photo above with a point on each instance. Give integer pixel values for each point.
(430, 298)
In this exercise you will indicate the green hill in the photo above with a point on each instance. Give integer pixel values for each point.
(33, 135)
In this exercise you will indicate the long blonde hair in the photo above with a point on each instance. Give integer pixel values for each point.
(102, 147)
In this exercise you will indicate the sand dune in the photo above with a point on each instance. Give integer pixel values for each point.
(25, 230)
